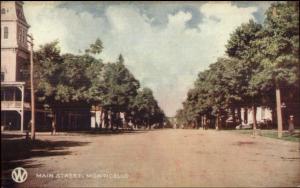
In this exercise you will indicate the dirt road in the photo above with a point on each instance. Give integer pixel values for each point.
(164, 158)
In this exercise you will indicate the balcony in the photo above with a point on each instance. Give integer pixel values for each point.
(13, 105)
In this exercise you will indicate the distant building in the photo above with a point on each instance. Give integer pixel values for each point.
(15, 93)
(262, 114)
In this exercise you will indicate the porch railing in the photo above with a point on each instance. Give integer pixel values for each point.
(13, 104)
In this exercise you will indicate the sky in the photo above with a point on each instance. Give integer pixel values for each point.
(164, 44)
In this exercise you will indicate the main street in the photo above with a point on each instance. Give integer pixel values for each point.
(162, 158)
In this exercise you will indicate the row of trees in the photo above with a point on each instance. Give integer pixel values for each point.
(70, 78)
(261, 59)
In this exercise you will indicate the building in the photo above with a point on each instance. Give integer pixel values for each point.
(262, 114)
(15, 88)
(98, 118)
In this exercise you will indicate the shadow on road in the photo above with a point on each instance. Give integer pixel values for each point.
(105, 132)
(19, 152)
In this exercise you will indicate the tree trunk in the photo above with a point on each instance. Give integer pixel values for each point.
(101, 119)
(239, 115)
(149, 126)
(106, 119)
(246, 115)
(96, 125)
(54, 124)
(201, 123)
(233, 117)
(220, 123)
(274, 118)
(117, 120)
(254, 120)
(125, 126)
(217, 122)
(111, 118)
(204, 122)
(279, 114)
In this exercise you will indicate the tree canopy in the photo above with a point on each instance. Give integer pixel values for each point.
(69, 78)
(260, 58)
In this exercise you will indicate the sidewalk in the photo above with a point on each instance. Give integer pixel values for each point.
(74, 133)
(295, 137)
(6, 132)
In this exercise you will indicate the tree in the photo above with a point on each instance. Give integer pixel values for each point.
(47, 70)
(70, 78)
(226, 84)
(47, 74)
(95, 48)
(118, 88)
(261, 58)
(280, 51)
(243, 46)
(198, 105)
(145, 109)
(64, 78)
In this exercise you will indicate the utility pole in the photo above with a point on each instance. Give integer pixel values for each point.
(30, 41)
(278, 97)
(279, 113)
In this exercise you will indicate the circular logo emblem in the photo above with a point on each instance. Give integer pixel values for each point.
(19, 175)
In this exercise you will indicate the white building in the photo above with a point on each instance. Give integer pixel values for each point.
(262, 114)
(15, 93)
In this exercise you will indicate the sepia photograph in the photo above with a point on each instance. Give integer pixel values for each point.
(150, 94)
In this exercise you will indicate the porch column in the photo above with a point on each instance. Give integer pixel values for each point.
(22, 108)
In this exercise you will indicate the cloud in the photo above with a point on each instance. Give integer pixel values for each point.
(74, 30)
(167, 59)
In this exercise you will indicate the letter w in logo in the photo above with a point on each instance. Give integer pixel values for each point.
(19, 175)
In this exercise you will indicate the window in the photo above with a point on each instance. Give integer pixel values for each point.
(19, 34)
(5, 32)
(24, 36)
(3, 11)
